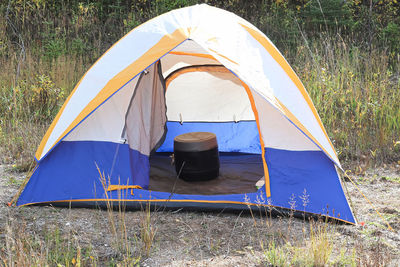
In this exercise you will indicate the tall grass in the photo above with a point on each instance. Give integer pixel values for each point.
(29, 100)
(131, 247)
(49, 247)
(313, 243)
(357, 94)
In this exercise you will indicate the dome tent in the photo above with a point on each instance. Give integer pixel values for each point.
(197, 68)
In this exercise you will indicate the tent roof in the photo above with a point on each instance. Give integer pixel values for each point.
(234, 42)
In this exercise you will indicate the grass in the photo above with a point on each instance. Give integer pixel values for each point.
(131, 247)
(22, 244)
(313, 248)
(30, 101)
(148, 231)
(356, 92)
(319, 242)
(52, 246)
(392, 179)
(49, 247)
(318, 245)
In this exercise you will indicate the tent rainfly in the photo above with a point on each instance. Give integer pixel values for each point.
(197, 68)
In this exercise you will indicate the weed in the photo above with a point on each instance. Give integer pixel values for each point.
(373, 254)
(356, 94)
(391, 179)
(276, 256)
(122, 243)
(320, 243)
(128, 245)
(147, 230)
(345, 258)
(13, 181)
(49, 248)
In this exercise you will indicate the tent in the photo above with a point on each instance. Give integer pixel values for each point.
(197, 68)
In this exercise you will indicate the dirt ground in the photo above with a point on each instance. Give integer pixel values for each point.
(219, 239)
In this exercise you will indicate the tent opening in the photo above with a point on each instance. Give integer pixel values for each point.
(201, 95)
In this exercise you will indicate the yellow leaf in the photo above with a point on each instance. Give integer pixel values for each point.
(73, 261)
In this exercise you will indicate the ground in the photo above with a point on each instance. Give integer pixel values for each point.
(178, 238)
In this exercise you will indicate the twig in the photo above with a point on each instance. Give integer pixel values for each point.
(230, 237)
(21, 43)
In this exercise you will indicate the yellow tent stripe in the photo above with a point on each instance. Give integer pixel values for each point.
(113, 187)
(292, 75)
(166, 43)
(253, 106)
(181, 53)
(255, 111)
(227, 58)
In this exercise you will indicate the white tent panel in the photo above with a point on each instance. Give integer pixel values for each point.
(107, 122)
(277, 131)
(231, 45)
(173, 62)
(207, 97)
(189, 46)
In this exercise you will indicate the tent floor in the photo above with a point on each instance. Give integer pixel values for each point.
(238, 174)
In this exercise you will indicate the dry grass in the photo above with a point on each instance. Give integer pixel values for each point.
(356, 93)
(24, 244)
(31, 93)
(320, 244)
(47, 247)
(288, 247)
(181, 239)
(131, 247)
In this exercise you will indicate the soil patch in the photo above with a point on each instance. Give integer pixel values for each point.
(215, 239)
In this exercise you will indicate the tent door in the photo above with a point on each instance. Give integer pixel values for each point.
(145, 119)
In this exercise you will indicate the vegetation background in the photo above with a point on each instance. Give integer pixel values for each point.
(347, 53)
